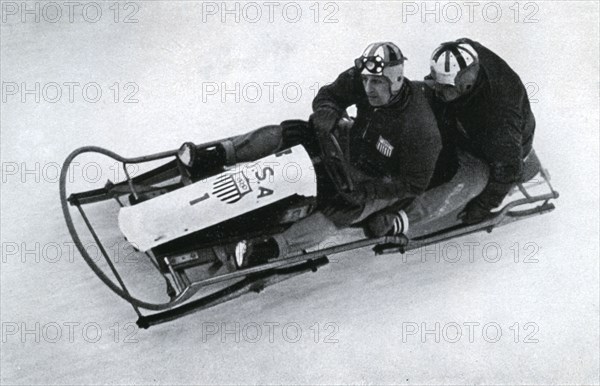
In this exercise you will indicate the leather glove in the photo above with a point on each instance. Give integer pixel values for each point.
(475, 212)
(345, 123)
(324, 120)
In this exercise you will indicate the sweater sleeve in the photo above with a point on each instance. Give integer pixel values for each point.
(333, 99)
(502, 145)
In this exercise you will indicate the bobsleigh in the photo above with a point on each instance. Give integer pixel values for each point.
(174, 231)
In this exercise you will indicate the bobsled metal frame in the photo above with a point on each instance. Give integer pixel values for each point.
(252, 279)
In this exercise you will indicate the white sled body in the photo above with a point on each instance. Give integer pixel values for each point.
(219, 198)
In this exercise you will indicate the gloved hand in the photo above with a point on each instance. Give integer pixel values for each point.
(324, 120)
(475, 212)
(345, 123)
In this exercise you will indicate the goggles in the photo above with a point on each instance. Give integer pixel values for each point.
(373, 64)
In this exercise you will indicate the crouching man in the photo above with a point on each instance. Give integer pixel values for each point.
(391, 148)
(483, 107)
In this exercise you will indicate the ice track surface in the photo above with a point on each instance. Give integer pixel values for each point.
(361, 319)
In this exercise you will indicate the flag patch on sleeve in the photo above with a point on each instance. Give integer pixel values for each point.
(384, 147)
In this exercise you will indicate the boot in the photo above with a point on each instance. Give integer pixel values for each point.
(202, 161)
(249, 253)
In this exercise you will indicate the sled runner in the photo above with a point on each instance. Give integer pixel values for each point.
(169, 220)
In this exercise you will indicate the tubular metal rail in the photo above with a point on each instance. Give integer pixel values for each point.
(173, 268)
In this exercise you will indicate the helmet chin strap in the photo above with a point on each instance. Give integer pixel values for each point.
(467, 78)
(394, 96)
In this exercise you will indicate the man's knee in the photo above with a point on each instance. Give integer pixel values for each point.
(257, 143)
(270, 135)
(473, 173)
(298, 132)
(306, 233)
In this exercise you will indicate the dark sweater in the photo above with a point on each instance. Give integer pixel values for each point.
(398, 144)
(495, 122)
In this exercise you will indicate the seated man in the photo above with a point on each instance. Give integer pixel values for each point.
(483, 107)
(391, 149)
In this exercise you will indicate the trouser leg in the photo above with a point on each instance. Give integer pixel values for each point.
(317, 227)
(437, 208)
(256, 144)
(268, 140)
(305, 233)
(374, 206)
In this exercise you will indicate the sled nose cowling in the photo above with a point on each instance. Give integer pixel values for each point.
(239, 190)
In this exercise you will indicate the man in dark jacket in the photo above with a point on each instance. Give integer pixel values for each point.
(483, 106)
(394, 140)
(391, 149)
(392, 146)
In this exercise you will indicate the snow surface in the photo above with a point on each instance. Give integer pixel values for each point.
(360, 305)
